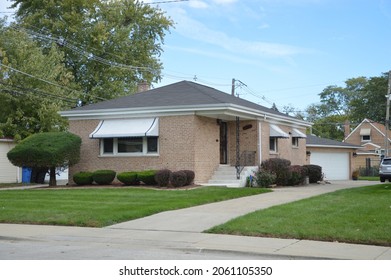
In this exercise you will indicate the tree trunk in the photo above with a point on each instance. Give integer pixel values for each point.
(52, 180)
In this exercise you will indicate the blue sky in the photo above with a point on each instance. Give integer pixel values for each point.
(285, 51)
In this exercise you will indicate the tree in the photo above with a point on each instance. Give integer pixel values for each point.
(34, 86)
(47, 150)
(109, 46)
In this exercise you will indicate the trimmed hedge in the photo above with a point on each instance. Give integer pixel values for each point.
(189, 176)
(83, 178)
(178, 179)
(147, 177)
(314, 172)
(162, 177)
(103, 177)
(279, 167)
(128, 178)
(264, 178)
(298, 174)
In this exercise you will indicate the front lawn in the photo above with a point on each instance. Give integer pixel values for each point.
(98, 207)
(358, 215)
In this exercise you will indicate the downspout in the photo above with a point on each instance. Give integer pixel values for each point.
(237, 165)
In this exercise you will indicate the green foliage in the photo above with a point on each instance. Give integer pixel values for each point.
(314, 172)
(278, 167)
(189, 176)
(264, 178)
(147, 177)
(178, 179)
(103, 177)
(83, 178)
(48, 149)
(162, 177)
(128, 178)
(125, 32)
(29, 104)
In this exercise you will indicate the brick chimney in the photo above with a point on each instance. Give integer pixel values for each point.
(346, 129)
(143, 86)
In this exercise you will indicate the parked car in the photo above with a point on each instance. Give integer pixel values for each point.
(385, 169)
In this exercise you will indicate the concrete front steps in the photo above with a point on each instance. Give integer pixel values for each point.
(225, 175)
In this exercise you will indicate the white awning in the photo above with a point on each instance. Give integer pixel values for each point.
(277, 132)
(365, 131)
(297, 133)
(126, 128)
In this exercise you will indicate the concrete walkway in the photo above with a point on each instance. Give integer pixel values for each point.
(178, 235)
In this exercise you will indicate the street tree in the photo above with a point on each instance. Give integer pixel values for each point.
(47, 150)
(110, 46)
(34, 86)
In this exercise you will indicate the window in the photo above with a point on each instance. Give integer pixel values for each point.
(273, 144)
(129, 145)
(295, 142)
(365, 138)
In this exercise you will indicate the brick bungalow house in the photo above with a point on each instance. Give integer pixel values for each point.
(184, 125)
(371, 136)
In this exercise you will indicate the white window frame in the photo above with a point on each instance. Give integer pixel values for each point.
(115, 152)
(275, 140)
(365, 140)
(295, 142)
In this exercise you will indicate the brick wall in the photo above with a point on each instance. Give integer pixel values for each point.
(185, 142)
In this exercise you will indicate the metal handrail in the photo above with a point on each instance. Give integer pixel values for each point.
(247, 158)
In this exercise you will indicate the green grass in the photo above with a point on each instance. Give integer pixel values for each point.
(359, 215)
(98, 207)
(369, 178)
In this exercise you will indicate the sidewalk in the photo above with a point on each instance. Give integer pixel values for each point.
(178, 235)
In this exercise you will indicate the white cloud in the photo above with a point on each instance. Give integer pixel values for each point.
(198, 4)
(196, 30)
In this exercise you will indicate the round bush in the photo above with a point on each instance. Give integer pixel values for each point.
(264, 178)
(190, 176)
(314, 172)
(162, 177)
(103, 177)
(128, 178)
(83, 178)
(178, 179)
(147, 177)
(298, 174)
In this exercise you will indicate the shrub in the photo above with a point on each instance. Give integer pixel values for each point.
(280, 168)
(103, 177)
(178, 179)
(298, 174)
(190, 176)
(147, 177)
(314, 172)
(264, 178)
(162, 177)
(83, 178)
(128, 178)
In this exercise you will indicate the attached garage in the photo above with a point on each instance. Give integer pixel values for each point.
(8, 172)
(335, 166)
(333, 156)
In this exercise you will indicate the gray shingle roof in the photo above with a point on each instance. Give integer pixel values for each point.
(184, 93)
(313, 140)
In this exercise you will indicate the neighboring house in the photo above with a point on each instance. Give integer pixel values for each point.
(8, 172)
(184, 125)
(335, 158)
(371, 138)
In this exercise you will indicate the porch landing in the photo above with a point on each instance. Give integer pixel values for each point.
(225, 175)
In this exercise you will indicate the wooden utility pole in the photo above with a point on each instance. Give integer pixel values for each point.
(388, 115)
(233, 87)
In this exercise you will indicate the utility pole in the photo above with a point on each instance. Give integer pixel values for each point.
(233, 87)
(388, 115)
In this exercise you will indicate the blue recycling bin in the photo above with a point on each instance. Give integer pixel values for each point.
(26, 175)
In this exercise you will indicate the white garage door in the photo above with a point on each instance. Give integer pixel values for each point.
(335, 166)
(8, 172)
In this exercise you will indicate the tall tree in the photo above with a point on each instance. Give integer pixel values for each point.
(109, 45)
(34, 86)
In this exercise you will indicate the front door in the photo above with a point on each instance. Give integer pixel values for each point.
(223, 143)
